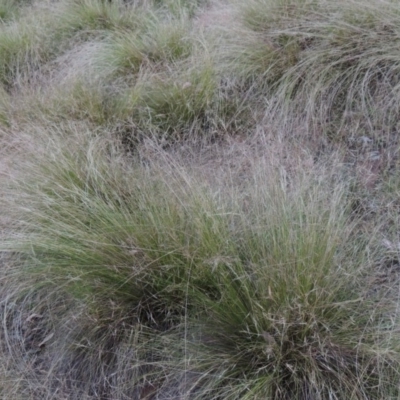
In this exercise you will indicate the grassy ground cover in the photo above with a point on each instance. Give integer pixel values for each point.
(199, 199)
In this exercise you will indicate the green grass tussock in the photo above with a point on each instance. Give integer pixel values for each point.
(176, 7)
(92, 16)
(96, 197)
(16, 51)
(4, 106)
(256, 299)
(128, 52)
(175, 104)
(9, 9)
(276, 331)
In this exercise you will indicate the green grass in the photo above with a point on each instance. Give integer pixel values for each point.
(8, 10)
(15, 51)
(92, 16)
(288, 318)
(178, 102)
(176, 7)
(4, 105)
(199, 200)
(163, 42)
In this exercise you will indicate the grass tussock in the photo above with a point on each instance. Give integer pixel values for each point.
(254, 290)
(9, 9)
(4, 105)
(163, 42)
(335, 63)
(16, 51)
(92, 17)
(199, 200)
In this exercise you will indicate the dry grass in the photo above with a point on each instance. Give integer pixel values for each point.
(199, 200)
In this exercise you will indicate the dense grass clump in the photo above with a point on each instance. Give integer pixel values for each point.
(90, 18)
(200, 200)
(162, 42)
(9, 9)
(333, 63)
(277, 330)
(257, 295)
